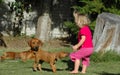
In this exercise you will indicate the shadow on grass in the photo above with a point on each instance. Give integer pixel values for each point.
(70, 65)
(50, 70)
(105, 73)
(47, 69)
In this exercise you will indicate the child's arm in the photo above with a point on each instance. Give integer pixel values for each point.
(75, 47)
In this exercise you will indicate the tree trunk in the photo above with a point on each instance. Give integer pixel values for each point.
(107, 33)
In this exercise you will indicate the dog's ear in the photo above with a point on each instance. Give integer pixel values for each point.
(40, 43)
(29, 43)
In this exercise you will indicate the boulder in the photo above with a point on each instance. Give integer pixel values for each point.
(44, 27)
(107, 33)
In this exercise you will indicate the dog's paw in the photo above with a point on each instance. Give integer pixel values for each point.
(34, 70)
(39, 69)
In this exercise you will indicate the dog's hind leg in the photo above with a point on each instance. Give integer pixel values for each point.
(53, 67)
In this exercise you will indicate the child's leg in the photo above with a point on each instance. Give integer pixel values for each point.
(84, 67)
(76, 66)
(85, 62)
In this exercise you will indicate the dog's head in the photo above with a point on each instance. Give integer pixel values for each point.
(62, 54)
(35, 44)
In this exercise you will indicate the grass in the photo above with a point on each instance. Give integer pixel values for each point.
(97, 67)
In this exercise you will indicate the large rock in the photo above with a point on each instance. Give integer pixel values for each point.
(107, 33)
(44, 27)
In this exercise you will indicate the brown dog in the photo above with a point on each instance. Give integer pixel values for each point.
(35, 44)
(44, 56)
(10, 55)
(25, 55)
(51, 58)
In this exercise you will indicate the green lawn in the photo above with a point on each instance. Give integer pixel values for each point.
(17, 67)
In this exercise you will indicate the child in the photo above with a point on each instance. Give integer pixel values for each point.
(84, 48)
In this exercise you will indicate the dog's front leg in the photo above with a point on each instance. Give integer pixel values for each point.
(35, 66)
(36, 62)
(40, 65)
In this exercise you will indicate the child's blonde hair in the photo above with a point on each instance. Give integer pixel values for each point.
(81, 19)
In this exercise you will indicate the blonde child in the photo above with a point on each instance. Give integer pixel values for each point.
(84, 48)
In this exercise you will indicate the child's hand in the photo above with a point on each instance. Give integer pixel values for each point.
(75, 47)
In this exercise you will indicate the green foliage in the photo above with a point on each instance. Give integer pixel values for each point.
(98, 6)
(18, 8)
(112, 6)
(72, 28)
(92, 26)
(106, 57)
(72, 31)
(94, 7)
(89, 7)
(1, 1)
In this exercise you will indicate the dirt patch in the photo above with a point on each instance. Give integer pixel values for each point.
(16, 42)
(21, 43)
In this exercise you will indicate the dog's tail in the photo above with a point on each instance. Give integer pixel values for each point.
(62, 54)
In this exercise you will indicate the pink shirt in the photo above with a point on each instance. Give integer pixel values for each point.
(86, 32)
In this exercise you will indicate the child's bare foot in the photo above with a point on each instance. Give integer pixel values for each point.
(82, 72)
(74, 72)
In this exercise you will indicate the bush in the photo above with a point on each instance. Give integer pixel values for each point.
(106, 57)
(72, 28)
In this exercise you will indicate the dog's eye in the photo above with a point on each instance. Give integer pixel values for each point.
(33, 42)
(38, 42)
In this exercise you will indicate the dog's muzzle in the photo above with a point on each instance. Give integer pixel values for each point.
(35, 49)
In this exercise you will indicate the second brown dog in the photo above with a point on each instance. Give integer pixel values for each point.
(24, 55)
(10, 55)
(49, 57)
